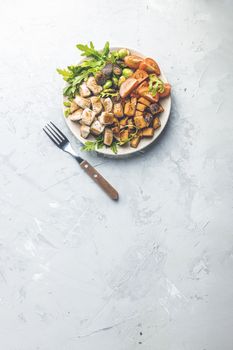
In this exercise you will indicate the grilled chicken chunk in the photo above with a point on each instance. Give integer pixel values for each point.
(77, 115)
(84, 91)
(118, 110)
(82, 102)
(97, 128)
(106, 118)
(85, 131)
(88, 116)
(108, 137)
(93, 86)
(107, 103)
(96, 104)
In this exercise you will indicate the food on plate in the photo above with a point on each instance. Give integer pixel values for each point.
(114, 96)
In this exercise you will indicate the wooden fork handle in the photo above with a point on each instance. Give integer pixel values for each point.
(100, 180)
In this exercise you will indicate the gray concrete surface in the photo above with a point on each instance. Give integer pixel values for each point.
(154, 271)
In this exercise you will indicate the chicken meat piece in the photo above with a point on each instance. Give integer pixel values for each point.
(73, 107)
(93, 86)
(85, 131)
(84, 91)
(106, 118)
(107, 103)
(82, 102)
(108, 137)
(77, 115)
(96, 104)
(118, 110)
(97, 128)
(88, 116)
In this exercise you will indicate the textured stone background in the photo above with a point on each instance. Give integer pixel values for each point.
(154, 271)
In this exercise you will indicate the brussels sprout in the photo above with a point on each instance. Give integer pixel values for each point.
(107, 70)
(100, 78)
(121, 80)
(115, 81)
(123, 52)
(127, 72)
(108, 84)
(117, 70)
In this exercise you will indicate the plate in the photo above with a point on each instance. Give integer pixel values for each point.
(126, 150)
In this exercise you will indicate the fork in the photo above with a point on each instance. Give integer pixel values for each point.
(63, 143)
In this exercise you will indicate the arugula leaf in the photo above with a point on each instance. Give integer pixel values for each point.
(65, 73)
(92, 145)
(89, 146)
(105, 51)
(109, 92)
(89, 51)
(114, 147)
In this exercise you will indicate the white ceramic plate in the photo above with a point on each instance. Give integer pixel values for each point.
(126, 149)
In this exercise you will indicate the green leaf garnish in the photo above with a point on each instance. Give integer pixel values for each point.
(155, 84)
(67, 104)
(114, 147)
(93, 145)
(67, 112)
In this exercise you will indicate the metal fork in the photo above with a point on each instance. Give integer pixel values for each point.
(63, 143)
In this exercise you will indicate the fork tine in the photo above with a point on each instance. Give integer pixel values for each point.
(51, 129)
(65, 138)
(51, 136)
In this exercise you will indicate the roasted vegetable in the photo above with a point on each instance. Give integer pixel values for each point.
(141, 107)
(140, 75)
(100, 78)
(116, 132)
(121, 80)
(138, 113)
(127, 87)
(156, 123)
(148, 132)
(150, 66)
(124, 135)
(144, 101)
(127, 72)
(123, 122)
(148, 118)
(117, 70)
(122, 53)
(167, 90)
(156, 108)
(118, 110)
(133, 61)
(107, 70)
(135, 141)
(140, 122)
(130, 107)
(107, 85)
